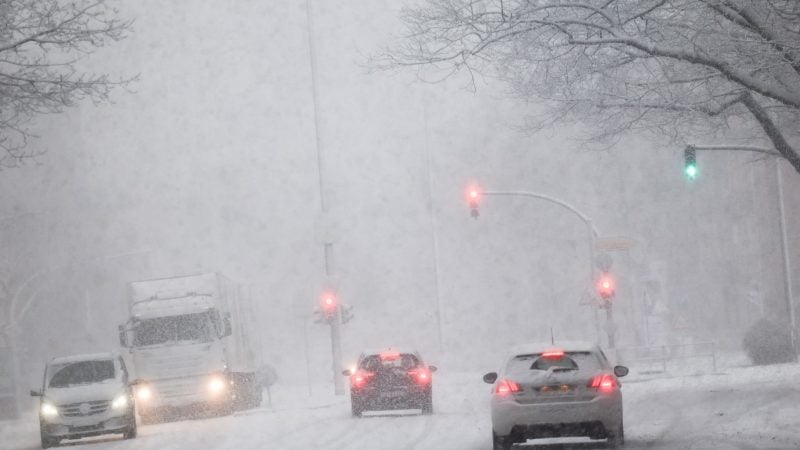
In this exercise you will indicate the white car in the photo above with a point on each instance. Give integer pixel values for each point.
(561, 390)
(85, 395)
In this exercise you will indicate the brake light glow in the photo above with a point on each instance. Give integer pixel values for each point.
(422, 376)
(360, 378)
(553, 354)
(604, 383)
(506, 387)
(389, 356)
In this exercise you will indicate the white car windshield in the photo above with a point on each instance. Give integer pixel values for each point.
(83, 372)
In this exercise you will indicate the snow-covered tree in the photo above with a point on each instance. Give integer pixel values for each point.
(41, 45)
(677, 67)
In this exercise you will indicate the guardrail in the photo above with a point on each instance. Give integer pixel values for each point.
(665, 353)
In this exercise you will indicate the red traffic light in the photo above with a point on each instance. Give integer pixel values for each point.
(328, 301)
(606, 286)
(473, 198)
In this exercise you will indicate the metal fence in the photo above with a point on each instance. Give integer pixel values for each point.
(661, 354)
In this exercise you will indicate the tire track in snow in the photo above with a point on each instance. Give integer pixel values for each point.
(426, 429)
(390, 431)
(682, 429)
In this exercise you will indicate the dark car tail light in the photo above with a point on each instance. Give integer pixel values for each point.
(604, 383)
(421, 376)
(506, 387)
(360, 378)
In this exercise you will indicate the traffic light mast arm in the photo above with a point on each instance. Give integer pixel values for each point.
(592, 230)
(592, 233)
(741, 148)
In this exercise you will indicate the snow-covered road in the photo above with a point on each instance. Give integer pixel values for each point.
(738, 408)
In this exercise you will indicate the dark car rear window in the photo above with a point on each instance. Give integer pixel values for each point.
(374, 363)
(83, 372)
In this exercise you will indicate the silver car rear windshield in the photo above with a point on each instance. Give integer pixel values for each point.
(582, 361)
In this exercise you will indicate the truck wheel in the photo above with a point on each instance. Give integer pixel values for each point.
(258, 396)
(253, 397)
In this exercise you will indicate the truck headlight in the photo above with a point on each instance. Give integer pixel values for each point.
(216, 384)
(120, 402)
(48, 410)
(144, 393)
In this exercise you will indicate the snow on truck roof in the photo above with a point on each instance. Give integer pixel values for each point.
(173, 287)
(158, 307)
(84, 357)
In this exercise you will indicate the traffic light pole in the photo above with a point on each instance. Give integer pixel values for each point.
(336, 322)
(611, 328)
(782, 224)
(336, 349)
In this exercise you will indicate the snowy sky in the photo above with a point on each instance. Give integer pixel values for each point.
(214, 161)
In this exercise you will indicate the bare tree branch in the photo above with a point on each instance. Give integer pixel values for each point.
(41, 45)
(672, 67)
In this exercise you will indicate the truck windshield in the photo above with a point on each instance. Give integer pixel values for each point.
(84, 372)
(163, 330)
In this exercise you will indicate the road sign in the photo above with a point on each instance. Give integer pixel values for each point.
(614, 244)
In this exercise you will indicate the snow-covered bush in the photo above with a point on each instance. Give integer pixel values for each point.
(769, 342)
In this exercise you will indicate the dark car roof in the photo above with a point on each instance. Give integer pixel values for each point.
(389, 350)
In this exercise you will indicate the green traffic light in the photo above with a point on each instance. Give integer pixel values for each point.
(691, 171)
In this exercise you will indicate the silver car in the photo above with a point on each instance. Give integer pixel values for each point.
(547, 390)
(85, 395)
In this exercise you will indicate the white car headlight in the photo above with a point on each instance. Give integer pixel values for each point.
(120, 402)
(48, 410)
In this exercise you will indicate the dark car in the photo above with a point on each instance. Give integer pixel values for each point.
(391, 379)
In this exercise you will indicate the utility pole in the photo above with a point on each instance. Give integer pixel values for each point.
(335, 321)
(330, 311)
(336, 351)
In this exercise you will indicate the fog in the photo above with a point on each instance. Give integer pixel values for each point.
(220, 159)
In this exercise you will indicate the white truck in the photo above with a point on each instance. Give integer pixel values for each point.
(189, 344)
